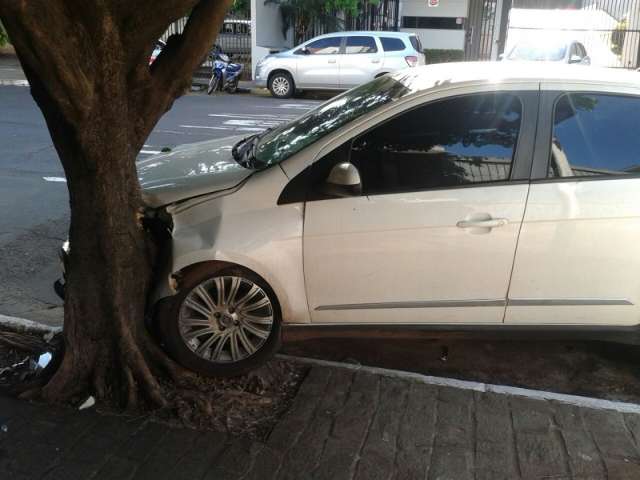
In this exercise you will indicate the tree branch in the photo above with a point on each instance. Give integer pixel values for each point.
(172, 71)
(66, 75)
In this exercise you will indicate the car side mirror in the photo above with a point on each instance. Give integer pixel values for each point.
(575, 59)
(343, 181)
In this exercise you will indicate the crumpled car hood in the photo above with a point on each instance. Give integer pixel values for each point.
(189, 171)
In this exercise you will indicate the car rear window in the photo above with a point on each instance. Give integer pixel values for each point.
(417, 44)
(392, 44)
(361, 45)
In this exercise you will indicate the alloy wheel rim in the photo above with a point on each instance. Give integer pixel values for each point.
(225, 319)
(280, 85)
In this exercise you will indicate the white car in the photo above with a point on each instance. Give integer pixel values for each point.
(538, 50)
(460, 197)
(338, 61)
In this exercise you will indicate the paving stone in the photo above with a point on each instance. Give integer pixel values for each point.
(495, 454)
(540, 447)
(453, 451)
(310, 393)
(265, 465)
(584, 458)
(350, 429)
(378, 457)
(235, 461)
(632, 421)
(342, 425)
(173, 446)
(611, 434)
(417, 432)
(303, 456)
(201, 457)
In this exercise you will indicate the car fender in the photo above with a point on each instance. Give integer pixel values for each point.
(246, 228)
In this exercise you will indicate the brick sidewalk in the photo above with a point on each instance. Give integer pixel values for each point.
(342, 425)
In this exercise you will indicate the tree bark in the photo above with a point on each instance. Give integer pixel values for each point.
(100, 100)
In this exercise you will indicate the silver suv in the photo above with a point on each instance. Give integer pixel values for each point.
(338, 61)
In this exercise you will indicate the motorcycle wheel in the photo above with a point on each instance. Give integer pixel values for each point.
(213, 85)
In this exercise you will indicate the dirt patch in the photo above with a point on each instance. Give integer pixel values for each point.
(249, 405)
(595, 369)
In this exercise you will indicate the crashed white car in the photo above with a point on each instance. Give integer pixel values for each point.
(468, 197)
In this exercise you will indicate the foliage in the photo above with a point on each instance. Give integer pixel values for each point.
(618, 36)
(434, 55)
(299, 14)
(4, 38)
(241, 7)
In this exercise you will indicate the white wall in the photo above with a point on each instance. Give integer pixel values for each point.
(447, 8)
(439, 39)
(266, 28)
(436, 39)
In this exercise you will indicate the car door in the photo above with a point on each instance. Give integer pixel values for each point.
(361, 61)
(578, 260)
(317, 64)
(432, 236)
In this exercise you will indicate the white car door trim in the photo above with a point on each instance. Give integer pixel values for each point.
(417, 304)
(556, 302)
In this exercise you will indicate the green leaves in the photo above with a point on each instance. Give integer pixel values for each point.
(300, 14)
(4, 38)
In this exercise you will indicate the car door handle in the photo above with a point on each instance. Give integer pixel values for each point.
(375, 60)
(489, 223)
(331, 61)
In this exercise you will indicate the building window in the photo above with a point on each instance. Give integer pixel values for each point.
(436, 23)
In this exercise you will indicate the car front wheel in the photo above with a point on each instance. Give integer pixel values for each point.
(281, 85)
(221, 323)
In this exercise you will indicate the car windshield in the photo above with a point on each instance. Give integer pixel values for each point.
(538, 52)
(286, 140)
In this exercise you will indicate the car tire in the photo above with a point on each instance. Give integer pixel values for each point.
(281, 85)
(178, 323)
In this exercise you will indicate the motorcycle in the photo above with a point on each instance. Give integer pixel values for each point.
(224, 74)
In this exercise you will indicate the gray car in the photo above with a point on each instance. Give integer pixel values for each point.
(338, 61)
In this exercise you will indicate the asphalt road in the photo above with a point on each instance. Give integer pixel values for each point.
(33, 194)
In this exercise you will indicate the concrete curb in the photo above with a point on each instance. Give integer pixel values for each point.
(14, 83)
(579, 401)
(22, 325)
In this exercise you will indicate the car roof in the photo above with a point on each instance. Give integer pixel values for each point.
(460, 73)
(374, 33)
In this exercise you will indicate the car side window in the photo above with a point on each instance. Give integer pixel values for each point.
(455, 142)
(325, 46)
(361, 45)
(595, 135)
(392, 44)
(581, 50)
(574, 50)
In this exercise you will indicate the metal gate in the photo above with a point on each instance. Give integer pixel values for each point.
(485, 29)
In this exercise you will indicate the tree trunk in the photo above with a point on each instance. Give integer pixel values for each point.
(110, 265)
(100, 100)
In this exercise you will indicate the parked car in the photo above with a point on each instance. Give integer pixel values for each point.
(472, 197)
(536, 50)
(338, 61)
